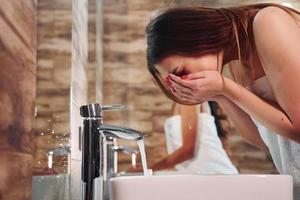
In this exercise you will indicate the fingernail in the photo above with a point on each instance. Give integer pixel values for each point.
(184, 77)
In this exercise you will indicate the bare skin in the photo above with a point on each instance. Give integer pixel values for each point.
(189, 133)
(277, 58)
(189, 120)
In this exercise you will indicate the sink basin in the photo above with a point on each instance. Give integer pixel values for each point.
(203, 187)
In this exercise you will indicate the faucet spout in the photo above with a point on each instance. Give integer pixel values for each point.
(121, 132)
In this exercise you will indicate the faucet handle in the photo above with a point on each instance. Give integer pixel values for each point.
(113, 107)
(95, 109)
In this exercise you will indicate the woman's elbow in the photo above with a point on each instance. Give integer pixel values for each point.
(293, 132)
(294, 135)
(189, 152)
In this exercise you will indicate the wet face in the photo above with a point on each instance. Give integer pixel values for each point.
(181, 65)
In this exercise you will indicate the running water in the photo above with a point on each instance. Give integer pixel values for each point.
(143, 157)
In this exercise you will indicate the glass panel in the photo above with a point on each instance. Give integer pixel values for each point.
(68, 61)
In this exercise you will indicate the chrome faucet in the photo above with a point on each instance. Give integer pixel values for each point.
(99, 161)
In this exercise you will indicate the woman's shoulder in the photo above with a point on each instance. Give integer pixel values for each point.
(271, 25)
(269, 15)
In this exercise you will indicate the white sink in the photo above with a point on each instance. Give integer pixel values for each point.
(203, 187)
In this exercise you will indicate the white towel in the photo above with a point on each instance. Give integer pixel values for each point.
(210, 157)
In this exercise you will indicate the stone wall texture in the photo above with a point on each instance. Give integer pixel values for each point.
(54, 60)
(17, 95)
(53, 82)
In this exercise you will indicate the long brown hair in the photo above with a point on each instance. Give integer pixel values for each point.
(195, 31)
(222, 124)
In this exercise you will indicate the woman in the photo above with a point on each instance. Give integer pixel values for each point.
(193, 137)
(187, 51)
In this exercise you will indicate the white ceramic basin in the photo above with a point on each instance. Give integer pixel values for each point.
(203, 187)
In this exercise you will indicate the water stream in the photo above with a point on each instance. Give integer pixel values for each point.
(143, 157)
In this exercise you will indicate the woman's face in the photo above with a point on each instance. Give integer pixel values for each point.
(182, 65)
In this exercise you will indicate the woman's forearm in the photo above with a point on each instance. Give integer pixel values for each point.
(242, 122)
(269, 116)
(178, 156)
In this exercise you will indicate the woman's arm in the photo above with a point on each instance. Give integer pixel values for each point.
(201, 85)
(268, 115)
(242, 122)
(189, 118)
(277, 38)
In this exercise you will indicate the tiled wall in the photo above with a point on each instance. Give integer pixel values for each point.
(17, 94)
(54, 57)
(127, 81)
(94, 65)
(53, 81)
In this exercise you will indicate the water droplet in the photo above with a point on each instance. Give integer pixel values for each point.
(35, 111)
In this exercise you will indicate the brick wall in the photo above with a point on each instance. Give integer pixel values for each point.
(52, 125)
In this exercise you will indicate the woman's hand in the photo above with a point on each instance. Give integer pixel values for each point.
(198, 87)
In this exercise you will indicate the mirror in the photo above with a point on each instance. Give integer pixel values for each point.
(126, 80)
(106, 62)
